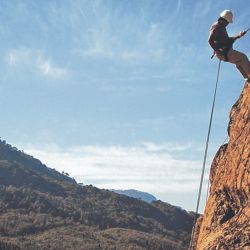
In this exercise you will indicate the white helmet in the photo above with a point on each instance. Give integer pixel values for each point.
(227, 15)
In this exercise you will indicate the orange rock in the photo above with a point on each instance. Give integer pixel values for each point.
(226, 220)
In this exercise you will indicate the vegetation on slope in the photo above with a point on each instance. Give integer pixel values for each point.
(43, 209)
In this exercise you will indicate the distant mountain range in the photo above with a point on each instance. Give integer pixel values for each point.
(41, 208)
(136, 194)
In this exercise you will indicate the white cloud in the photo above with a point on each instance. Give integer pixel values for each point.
(28, 59)
(125, 41)
(18, 57)
(48, 68)
(168, 147)
(148, 166)
(12, 59)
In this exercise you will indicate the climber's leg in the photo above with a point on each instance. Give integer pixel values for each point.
(242, 71)
(241, 61)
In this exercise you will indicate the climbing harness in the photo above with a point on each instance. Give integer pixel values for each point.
(214, 51)
(205, 156)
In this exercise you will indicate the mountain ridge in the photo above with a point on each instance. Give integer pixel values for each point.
(41, 207)
(136, 194)
(12, 154)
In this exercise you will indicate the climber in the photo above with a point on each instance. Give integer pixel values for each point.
(222, 44)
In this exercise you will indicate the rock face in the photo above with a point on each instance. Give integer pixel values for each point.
(226, 220)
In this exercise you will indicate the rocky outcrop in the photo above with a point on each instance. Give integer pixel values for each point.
(226, 220)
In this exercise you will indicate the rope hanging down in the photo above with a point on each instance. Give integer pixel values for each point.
(205, 156)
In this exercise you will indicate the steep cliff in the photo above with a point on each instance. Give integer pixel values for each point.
(226, 220)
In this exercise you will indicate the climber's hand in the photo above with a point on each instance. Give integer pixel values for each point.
(242, 33)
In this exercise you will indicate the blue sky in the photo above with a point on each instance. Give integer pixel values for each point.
(117, 93)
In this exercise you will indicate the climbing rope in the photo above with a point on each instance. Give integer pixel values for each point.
(205, 156)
